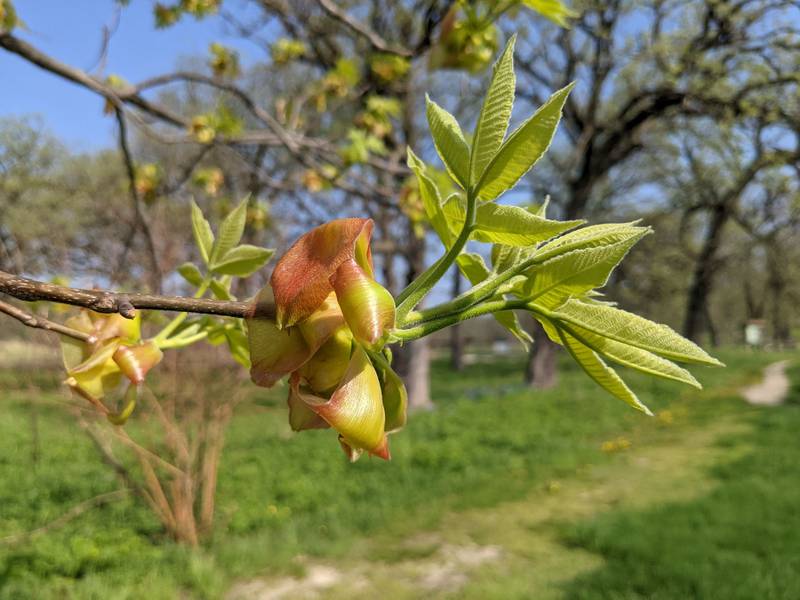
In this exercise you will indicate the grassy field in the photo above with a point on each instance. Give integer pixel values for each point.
(499, 493)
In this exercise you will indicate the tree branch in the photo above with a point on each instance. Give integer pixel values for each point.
(104, 301)
(139, 220)
(362, 29)
(41, 323)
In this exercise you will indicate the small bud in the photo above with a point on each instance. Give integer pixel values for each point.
(136, 361)
(367, 306)
(325, 370)
(321, 324)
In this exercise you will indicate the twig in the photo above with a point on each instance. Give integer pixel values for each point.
(139, 220)
(41, 323)
(68, 516)
(362, 29)
(104, 301)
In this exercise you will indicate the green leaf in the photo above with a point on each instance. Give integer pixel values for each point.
(628, 328)
(541, 209)
(603, 375)
(523, 148)
(505, 257)
(431, 199)
(632, 357)
(221, 289)
(242, 261)
(555, 10)
(237, 344)
(230, 232)
(449, 142)
(191, 273)
(496, 111)
(203, 236)
(590, 237)
(574, 273)
(501, 224)
(473, 267)
(515, 226)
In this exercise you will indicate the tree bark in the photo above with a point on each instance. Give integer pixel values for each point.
(412, 359)
(541, 372)
(695, 321)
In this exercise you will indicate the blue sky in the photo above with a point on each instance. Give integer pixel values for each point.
(71, 30)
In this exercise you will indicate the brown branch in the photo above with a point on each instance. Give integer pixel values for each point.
(104, 301)
(139, 221)
(48, 63)
(362, 29)
(41, 323)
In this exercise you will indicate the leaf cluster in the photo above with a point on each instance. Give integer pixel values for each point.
(552, 269)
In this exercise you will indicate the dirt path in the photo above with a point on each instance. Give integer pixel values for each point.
(774, 388)
(514, 548)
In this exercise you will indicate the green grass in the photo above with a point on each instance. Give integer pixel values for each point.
(281, 495)
(739, 541)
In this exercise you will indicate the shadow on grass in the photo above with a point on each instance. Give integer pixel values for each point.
(740, 541)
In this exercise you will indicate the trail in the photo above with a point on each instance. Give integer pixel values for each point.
(478, 553)
(773, 389)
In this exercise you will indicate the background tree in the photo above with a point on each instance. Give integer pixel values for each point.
(636, 75)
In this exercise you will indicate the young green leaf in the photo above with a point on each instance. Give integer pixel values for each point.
(191, 273)
(431, 199)
(449, 142)
(242, 261)
(502, 224)
(632, 357)
(555, 10)
(238, 346)
(604, 376)
(589, 237)
(496, 111)
(515, 226)
(574, 273)
(203, 236)
(541, 209)
(230, 232)
(221, 289)
(628, 328)
(523, 148)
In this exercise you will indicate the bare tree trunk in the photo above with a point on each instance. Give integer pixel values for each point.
(456, 333)
(542, 372)
(412, 360)
(702, 279)
(776, 283)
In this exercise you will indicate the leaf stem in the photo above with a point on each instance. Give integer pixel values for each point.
(164, 334)
(428, 327)
(410, 297)
(485, 289)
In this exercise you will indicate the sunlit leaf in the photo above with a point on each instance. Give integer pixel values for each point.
(495, 113)
(449, 142)
(523, 148)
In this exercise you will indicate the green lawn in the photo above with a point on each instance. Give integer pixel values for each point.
(492, 456)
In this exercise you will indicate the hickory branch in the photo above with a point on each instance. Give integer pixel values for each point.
(105, 301)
